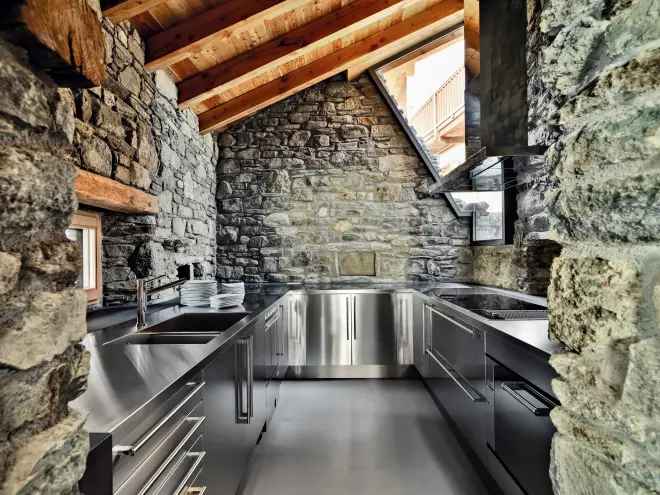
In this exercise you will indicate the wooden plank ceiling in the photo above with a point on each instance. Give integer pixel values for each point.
(231, 58)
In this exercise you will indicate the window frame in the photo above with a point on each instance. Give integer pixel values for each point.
(90, 220)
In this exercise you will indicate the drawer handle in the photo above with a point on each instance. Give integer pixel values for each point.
(512, 387)
(462, 327)
(449, 369)
(272, 321)
(132, 449)
(182, 489)
(198, 490)
(171, 457)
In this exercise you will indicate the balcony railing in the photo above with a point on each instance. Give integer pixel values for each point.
(442, 107)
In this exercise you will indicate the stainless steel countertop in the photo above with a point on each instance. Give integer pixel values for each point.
(128, 382)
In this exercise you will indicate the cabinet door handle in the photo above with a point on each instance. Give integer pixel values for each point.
(348, 318)
(250, 352)
(512, 387)
(241, 417)
(354, 318)
(171, 457)
(450, 370)
(451, 320)
(132, 449)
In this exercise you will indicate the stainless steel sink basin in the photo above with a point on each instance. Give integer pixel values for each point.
(197, 323)
(149, 338)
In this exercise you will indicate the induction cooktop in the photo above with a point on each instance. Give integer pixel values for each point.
(498, 307)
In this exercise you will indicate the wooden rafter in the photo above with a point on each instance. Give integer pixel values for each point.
(284, 49)
(404, 33)
(180, 41)
(121, 10)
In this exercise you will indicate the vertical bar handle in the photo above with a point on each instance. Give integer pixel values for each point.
(354, 318)
(241, 417)
(250, 354)
(348, 318)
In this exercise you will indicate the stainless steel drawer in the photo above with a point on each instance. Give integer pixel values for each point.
(166, 454)
(138, 446)
(182, 473)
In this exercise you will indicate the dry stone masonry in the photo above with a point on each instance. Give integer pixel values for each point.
(604, 297)
(43, 446)
(325, 186)
(131, 131)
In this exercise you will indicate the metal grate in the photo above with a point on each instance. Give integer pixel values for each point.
(513, 314)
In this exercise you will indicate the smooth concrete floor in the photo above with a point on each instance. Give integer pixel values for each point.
(363, 437)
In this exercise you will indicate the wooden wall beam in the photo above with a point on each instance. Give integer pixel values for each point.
(122, 10)
(238, 108)
(101, 192)
(63, 37)
(284, 49)
(180, 41)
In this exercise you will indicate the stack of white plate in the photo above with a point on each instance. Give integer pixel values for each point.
(226, 300)
(232, 295)
(232, 288)
(198, 292)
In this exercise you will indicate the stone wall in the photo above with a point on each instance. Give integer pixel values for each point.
(325, 186)
(130, 130)
(43, 446)
(525, 264)
(604, 297)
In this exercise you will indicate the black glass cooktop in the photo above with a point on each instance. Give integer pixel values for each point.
(496, 306)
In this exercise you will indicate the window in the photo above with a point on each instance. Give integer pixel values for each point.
(85, 230)
(427, 87)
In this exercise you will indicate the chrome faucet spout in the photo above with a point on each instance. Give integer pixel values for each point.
(143, 293)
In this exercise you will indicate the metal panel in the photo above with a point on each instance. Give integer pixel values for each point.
(373, 329)
(224, 443)
(257, 382)
(420, 335)
(327, 336)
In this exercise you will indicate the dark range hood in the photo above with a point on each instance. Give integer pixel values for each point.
(495, 97)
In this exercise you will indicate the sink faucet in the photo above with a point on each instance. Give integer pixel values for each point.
(143, 293)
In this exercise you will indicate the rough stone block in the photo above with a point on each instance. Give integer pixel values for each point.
(140, 176)
(299, 138)
(349, 131)
(616, 210)
(383, 131)
(594, 301)
(47, 325)
(166, 87)
(96, 156)
(36, 197)
(52, 461)
(357, 264)
(130, 79)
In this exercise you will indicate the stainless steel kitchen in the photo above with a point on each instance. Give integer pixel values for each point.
(285, 247)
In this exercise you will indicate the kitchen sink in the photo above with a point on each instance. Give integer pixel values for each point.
(149, 338)
(198, 323)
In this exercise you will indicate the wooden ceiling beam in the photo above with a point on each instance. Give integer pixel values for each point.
(358, 67)
(238, 108)
(286, 48)
(63, 37)
(121, 10)
(189, 37)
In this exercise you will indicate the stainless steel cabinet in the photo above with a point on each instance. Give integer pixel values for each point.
(457, 376)
(374, 339)
(226, 406)
(326, 329)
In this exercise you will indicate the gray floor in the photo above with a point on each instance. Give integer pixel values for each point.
(359, 437)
